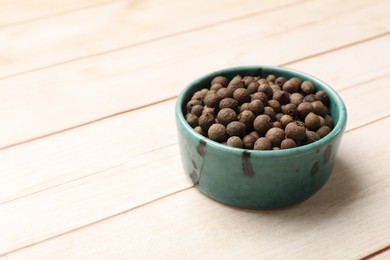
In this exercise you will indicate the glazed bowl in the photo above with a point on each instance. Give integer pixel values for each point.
(252, 178)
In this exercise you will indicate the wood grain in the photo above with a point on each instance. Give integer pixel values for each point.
(64, 96)
(108, 27)
(14, 12)
(127, 160)
(334, 223)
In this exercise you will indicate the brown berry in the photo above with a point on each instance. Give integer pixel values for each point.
(244, 107)
(275, 88)
(216, 86)
(217, 132)
(282, 97)
(270, 112)
(328, 121)
(206, 120)
(323, 131)
(277, 124)
(304, 109)
(256, 106)
(242, 95)
(226, 115)
(255, 134)
(223, 93)
(312, 121)
(262, 144)
(228, 103)
(295, 130)
(236, 128)
(266, 89)
(262, 124)
(260, 96)
(278, 116)
(200, 130)
(197, 110)
(290, 86)
(280, 81)
(235, 141)
(220, 80)
(289, 109)
(275, 135)
(253, 87)
(275, 105)
(310, 98)
(285, 120)
(271, 78)
(249, 141)
(319, 108)
(307, 87)
(208, 110)
(192, 103)
(247, 117)
(311, 137)
(192, 120)
(211, 100)
(296, 98)
(322, 96)
(288, 143)
(247, 80)
(232, 87)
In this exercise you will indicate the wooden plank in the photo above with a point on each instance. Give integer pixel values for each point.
(14, 12)
(382, 256)
(50, 100)
(47, 173)
(108, 27)
(346, 219)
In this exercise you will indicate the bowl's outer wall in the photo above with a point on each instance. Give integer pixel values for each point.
(255, 179)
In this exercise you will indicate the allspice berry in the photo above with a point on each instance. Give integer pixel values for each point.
(255, 134)
(282, 97)
(322, 96)
(319, 108)
(232, 87)
(275, 105)
(228, 103)
(220, 80)
(296, 81)
(249, 141)
(278, 116)
(296, 131)
(262, 144)
(285, 120)
(217, 132)
(266, 89)
(328, 121)
(236, 128)
(275, 135)
(260, 96)
(277, 124)
(312, 121)
(262, 124)
(226, 115)
(311, 137)
(290, 86)
(197, 110)
(307, 87)
(247, 117)
(244, 107)
(192, 120)
(323, 131)
(288, 143)
(206, 120)
(235, 141)
(211, 100)
(280, 81)
(247, 80)
(304, 109)
(200, 130)
(296, 98)
(270, 112)
(271, 78)
(289, 109)
(253, 87)
(223, 93)
(242, 95)
(192, 103)
(256, 106)
(208, 110)
(216, 86)
(310, 98)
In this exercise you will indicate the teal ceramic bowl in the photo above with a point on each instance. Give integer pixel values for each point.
(253, 178)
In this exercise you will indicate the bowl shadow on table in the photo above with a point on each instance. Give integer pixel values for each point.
(332, 199)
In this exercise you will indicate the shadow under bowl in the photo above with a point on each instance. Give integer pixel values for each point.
(252, 178)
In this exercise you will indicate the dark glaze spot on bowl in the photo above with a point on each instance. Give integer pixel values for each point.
(194, 163)
(314, 168)
(247, 165)
(194, 177)
(259, 72)
(318, 150)
(201, 147)
(327, 153)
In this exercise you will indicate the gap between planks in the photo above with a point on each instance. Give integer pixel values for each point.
(173, 97)
(116, 215)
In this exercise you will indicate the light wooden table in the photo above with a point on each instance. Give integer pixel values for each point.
(89, 161)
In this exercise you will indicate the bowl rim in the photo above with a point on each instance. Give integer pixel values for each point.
(337, 129)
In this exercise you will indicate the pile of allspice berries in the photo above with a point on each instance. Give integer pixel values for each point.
(258, 113)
